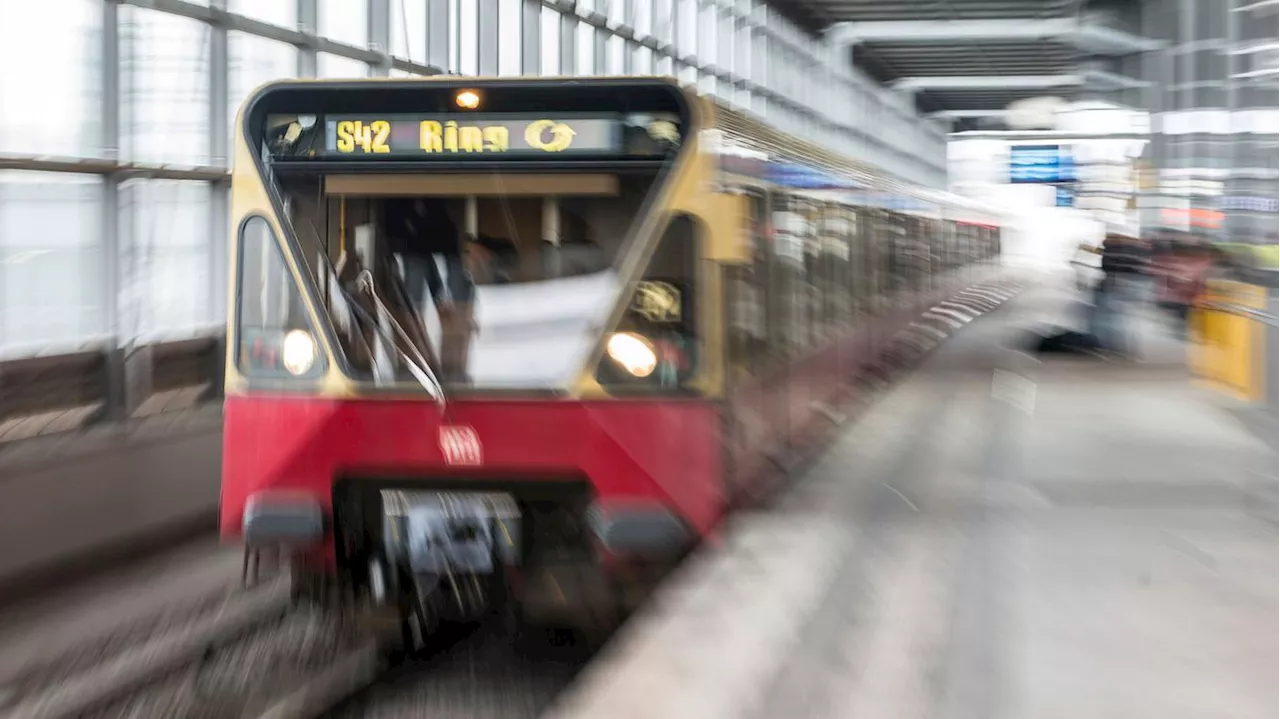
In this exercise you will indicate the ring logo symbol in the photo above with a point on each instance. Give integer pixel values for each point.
(549, 135)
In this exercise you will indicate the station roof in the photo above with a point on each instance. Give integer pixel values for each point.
(967, 60)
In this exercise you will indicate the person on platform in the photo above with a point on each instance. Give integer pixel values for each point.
(1124, 267)
(1181, 272)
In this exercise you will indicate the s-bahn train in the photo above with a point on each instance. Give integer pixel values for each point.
(669, 298)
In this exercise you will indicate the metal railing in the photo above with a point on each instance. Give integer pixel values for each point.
(52, 394)
(1240, 311)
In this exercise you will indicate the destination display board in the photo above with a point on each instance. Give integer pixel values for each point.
(454, 136)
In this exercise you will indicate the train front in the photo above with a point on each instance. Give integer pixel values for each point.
(537, 436)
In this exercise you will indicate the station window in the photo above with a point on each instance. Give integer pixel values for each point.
(274, 338)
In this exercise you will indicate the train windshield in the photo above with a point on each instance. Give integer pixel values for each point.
(489, 243)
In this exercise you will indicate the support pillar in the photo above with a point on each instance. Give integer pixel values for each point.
(531, 38)
(308, 22)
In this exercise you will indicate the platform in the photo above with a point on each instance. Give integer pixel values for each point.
(999, 536)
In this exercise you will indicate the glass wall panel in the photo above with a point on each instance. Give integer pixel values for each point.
(550, 42)
(664, 12)
(51, 263)
(344, 20)
(687, 29)
(253, 61)
(164, 82)
(615, 56)
(643, 17)
(165, 287)
(338, 66)
(688, 75)
(65, 82)
(510, 37)
(409, 29)
(469, 37)
(277, 12)
(586, 49)
(707, 35)
(642, 61)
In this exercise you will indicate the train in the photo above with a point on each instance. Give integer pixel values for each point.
(671, 298)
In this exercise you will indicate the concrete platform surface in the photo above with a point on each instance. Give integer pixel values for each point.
(999, 537)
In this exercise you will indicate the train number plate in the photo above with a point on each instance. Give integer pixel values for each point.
(460, 445)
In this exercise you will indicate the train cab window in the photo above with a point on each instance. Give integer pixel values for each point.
(655, 347)
(274, 337)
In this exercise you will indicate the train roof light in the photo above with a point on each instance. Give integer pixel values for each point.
(467, 99)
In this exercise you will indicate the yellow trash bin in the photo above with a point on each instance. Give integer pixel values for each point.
(1229, 352)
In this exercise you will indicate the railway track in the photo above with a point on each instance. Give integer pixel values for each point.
(472, 671)
(254, 654)
(247, 654)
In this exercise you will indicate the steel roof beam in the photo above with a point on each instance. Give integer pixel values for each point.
(968, 114)
(1095, 79)
(929, 31)
(987, 82)
(1104, 80)
(1086, 34)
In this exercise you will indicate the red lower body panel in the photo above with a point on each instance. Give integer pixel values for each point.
(667, 452)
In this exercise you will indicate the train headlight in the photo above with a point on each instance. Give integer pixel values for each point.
(298, 352)
(633, 352)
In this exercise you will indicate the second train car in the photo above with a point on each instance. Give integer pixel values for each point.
(668, 296)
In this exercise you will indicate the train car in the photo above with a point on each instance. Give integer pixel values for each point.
(670, 300)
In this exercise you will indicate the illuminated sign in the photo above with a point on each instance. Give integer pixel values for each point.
(657, 302)
(1041, 163)
(1065, 196)
(470, 135)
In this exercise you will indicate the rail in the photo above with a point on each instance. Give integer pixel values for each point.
(1242, 311)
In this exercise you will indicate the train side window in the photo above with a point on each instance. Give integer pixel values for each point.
(821, 242)
(789, 294)
(274, 338)
(838, 228)
(857, 282)
(747, 295)
(884, 243)
(866, 249)
(818, 269)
